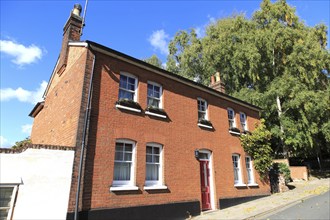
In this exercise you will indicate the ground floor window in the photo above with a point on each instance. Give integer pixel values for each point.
(249, 169)
(154, 164)
(124, 163)
(237, 169)
(7, 198)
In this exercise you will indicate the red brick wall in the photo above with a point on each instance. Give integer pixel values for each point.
(57, 122)
(179, 135)
(299, 172)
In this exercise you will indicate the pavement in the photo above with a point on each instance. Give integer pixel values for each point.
(263, 207)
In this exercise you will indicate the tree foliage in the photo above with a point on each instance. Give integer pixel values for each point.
(257, 145)
(272, 60)
(154, 60)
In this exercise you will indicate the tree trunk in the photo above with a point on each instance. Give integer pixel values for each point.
(279, 111)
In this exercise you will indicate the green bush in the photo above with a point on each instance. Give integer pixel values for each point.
(284, 169)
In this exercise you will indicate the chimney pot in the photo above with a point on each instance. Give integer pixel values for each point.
(77, 9)
(217, 76)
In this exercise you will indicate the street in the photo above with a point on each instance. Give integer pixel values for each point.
(316, 207)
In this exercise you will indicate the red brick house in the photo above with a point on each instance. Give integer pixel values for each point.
(149, 144)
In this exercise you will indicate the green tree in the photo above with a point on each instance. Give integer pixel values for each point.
(272, 60)
(154, 60)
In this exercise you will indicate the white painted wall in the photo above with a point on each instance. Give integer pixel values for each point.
(44, 176)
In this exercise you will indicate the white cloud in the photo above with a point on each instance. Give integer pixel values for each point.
(23, 95)
(27, 128)
(158, 40)
(22, 54)
(4, 143)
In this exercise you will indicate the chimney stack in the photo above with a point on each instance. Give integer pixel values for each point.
(71, 32)
(216, 83)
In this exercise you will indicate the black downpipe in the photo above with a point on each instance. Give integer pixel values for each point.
(86, 122)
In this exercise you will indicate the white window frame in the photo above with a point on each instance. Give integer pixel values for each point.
(156, 184)
(160, 99)
(233, 120)
(249, 170)
(135, 85)
(12, 201)
(239, 181)
(118, 185)
(206, 108)
(243, 124)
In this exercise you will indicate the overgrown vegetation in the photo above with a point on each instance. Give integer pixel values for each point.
(284, 169)
(20, 144)
(257, 145)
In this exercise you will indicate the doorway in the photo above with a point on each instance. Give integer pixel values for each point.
(204, 158)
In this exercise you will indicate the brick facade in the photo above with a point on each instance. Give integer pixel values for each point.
(179, 135)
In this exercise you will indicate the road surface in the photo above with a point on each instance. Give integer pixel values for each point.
(317, 207)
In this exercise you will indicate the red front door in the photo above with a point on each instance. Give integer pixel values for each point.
(205, 184)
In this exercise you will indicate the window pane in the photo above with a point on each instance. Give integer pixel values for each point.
(5, 196)
(119, 146)
(156, 94)
(119, 156)
(201, 115)
(236, 175)
(128, 147)
(150, 92)
(122, 171)
(131, 80)
(156, 150)
(4, 214)
(152, 172)
(153, 102)
(156, 159)
(131, 86)
(149, 158)
(123, 81)
(126, 95)
(153, 95)
(149, 150)
(157, 89)
(128, 156)
(203, 156)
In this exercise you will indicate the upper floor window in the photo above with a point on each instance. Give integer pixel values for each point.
(154, 165)
(202, 109)
(154, 95)
(127, 87)
(231, 118)
(237, 169)
(124, 163)
(243, 121)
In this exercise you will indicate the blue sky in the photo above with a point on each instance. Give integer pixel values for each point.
(31, 35)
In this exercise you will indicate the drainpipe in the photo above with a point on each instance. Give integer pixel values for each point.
(86, 122)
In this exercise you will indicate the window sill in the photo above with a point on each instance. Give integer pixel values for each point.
(123, 188)
(155, 114)
(154, 187)
(128, 108)
(204, 126)
(233, 132)
(252, 184)
(240, 185)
